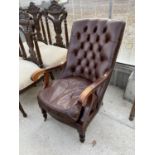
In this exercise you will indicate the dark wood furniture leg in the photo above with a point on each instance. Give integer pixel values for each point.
(81, 135)
(44, 114)
(22, 110)
(132, 113)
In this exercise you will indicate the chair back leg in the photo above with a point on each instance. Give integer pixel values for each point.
(132, 113)
(22, 110)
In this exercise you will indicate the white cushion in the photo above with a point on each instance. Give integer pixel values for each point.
(26, 69)
(26, 47)
(51, 55)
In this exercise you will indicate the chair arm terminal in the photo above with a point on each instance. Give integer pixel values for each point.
(91, 88)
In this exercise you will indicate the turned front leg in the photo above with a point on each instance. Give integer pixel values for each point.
(44, 114)
(81, 135)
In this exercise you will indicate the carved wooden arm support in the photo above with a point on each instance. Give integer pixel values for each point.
(45, 71)
(91, 88)
(39, 73)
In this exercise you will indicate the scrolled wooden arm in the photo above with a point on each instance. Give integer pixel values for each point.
(45, 71)
(39, 73)
(91, 88)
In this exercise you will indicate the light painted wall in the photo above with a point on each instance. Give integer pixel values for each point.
(25, 3)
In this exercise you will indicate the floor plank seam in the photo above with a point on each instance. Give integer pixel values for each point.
(116, 120)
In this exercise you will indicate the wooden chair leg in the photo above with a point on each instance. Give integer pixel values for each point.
(132, 113)
(44, 114)
(52, 76)
(81, 135)
(22, 110)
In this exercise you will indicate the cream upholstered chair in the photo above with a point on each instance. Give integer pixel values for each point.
(28, 62)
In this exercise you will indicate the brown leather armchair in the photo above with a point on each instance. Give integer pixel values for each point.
(76, 96)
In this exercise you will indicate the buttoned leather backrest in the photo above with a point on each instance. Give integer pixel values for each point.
(93, 47)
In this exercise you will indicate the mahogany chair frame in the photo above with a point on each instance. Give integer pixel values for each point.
(27, 28)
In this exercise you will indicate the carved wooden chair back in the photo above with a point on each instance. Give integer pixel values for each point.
(36, 14)
(54, 15)
(27, 39)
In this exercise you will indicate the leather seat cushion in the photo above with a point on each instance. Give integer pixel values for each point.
(51, 55)
(62, 98)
